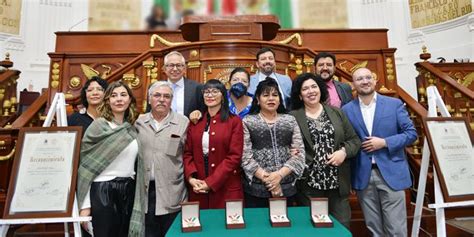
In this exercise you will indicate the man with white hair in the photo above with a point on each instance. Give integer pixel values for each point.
(187, 93)
(162, 135)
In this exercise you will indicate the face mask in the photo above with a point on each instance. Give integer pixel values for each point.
(238, 89)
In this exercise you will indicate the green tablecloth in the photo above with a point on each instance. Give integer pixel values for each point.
(258, 224)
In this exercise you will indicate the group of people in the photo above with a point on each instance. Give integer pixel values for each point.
(267, 136)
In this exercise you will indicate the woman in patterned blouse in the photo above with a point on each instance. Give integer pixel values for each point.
(273, 155)
(329, 140)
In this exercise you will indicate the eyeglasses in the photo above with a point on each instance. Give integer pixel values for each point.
(212, 92)
(178, 66)
(164, 96)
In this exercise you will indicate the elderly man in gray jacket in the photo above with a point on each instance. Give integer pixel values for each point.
(162, 135)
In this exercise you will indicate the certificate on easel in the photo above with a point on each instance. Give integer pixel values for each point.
(43, 181)
(450, 142)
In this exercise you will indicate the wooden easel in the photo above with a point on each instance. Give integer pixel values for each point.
(434, 102)
(58, 107)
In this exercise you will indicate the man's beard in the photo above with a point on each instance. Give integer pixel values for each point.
(267, 69)
(328, 78)
(363, 93)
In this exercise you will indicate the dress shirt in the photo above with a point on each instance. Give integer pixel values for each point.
(368, 112)
(178, 96)
(334, 99)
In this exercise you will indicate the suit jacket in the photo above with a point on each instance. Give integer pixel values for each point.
(344, 136)
(162, 151)
(391, 122)
(193, 99)
(284, 82)
(226, 139)
(344, 91)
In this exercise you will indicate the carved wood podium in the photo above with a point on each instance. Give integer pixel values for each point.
(248, 27)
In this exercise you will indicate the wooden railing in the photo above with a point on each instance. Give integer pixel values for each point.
(457, 98)
(8, 89)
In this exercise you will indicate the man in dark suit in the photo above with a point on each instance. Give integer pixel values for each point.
(380, 171)
(187, 95)
(339, 93)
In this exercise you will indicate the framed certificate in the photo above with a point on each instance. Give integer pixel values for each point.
(450, 142)
(43, 180)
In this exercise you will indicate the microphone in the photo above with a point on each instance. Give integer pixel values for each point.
(79, 22)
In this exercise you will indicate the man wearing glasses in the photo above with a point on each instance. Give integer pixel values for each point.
(187, 93)
(161, 135)
(380, 171)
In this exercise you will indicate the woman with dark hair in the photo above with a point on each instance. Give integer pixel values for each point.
(240, 100)
(271, 167)
(108, 187)
(156, 19)
(213, 151)
(329, 141)
(92, 95)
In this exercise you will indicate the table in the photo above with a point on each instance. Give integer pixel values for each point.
(258, 224)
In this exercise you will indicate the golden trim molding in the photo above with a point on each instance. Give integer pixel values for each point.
(164, 41)
(55, 75)
(288, 40)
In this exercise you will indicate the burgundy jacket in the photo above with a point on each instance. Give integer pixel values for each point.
(225, 154)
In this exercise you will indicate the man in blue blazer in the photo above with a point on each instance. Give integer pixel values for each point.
(266, 68)
(380, 171)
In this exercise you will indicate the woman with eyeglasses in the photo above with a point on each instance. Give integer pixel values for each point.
(109, 188)
(92, 95)
(240, 100)
(213, 151)
(273, 157)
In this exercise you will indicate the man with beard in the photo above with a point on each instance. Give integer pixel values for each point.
(161, 135)
(339, 93)
(380, 172)
(187, 93)
(266, 68)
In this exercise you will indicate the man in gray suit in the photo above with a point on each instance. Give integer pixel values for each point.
(267, 68)
(161, 135)
(187, 93)
(339, 93)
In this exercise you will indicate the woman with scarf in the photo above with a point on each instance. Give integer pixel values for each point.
(213, 151)
(108, 188)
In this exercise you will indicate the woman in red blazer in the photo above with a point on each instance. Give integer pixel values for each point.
(213, 151)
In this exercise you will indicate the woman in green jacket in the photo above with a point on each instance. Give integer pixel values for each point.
(329, 141)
